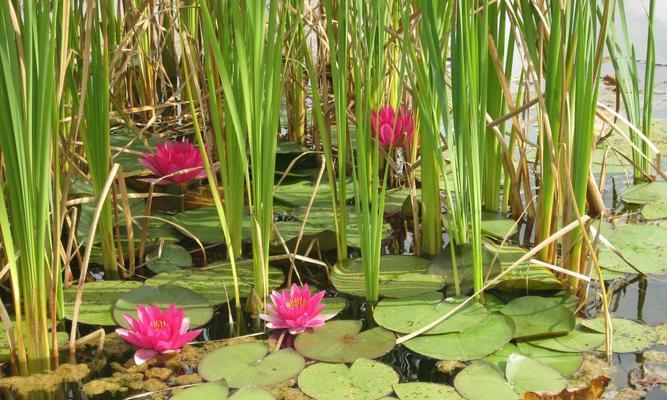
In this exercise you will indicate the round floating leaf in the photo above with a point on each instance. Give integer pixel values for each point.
(536, 316)
(364, 380)
(334, 305)
(298, 194)
(497, 225)
(250, 393)
(342, 341)
(644, 246)
(644, 193)
(98, 300)
(400, 276)
(499, 357)
(216, 282)
(577, 341)
(629, 336)
(170, 257)
(482, 378)
(565, 363)
(410, 314)
(425, 391)
(211, 390)
(655, 210)
(248, 364)
(472, 344)
(196, 307)
(528, 375)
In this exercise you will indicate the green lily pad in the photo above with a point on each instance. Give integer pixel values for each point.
(577, 341)
(216, 282)
(644, 193)
(211, 390)
(320, 219)
(498, 226)
(334, 305)
(168, 258)
(98, 300)
(628, 336)
(499, 357)
(131, 144)
(482, 378)
(196, 307)
(565, 363)
(655, 210)
(343, 341)
(248, 364)
(536, 316)
(425, 391)
(298, 194)
(645, 246)
(250, 393)
(395, 199)
(400, 276)
(472, 344)
(410, 314)
(364, 380)
(204, 224)
(527, 375)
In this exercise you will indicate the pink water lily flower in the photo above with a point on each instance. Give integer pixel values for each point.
(155, 332)
(172, 157)
(392, 130)
(296, 310)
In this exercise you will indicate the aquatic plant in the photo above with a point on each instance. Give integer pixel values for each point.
(175, 163)
(296, 310)
(156, 332)
(390, 128)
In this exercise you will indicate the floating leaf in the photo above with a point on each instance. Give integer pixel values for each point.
(644, 246)
(410, 314)
(527, 375)
(577, 341)
(499, 357)
(629, 336)
(400, 276)
(482, 378)
(196, 307)
(536, 316)
(395, 199)
(98, 300)
(364, 380)
(425, 391)
(472, 344)
(167, 258)
(644, 193)
(216, 282)
(248, 364)
(204, 223)
(565, 363)
(211, 390)
(298, 194)
(250, 393)
(343, 341)
(497, 225)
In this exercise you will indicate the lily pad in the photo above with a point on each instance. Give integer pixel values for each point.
(204, 224)
(196, 307)
(644, 193)
(655, 210)
(248, 364)
(250, 393)
(628, 336)
(98, 300)
(395, 199)
(216, 282)
(400, 276)
(425, 391)
(527, 375)
(343, 341)
(410, 314)
(168, 258)
(645, 246)
(211, 390)
(565, 363)
(497, 225)
(299, 193)
(577, 341)
(472, 344)
(482, 378)
(364, 380)
(499, 357)
(536, 316)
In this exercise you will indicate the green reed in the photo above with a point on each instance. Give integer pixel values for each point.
(29, 52)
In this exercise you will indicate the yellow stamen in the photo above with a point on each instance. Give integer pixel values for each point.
(158, 324)
(296, 302)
